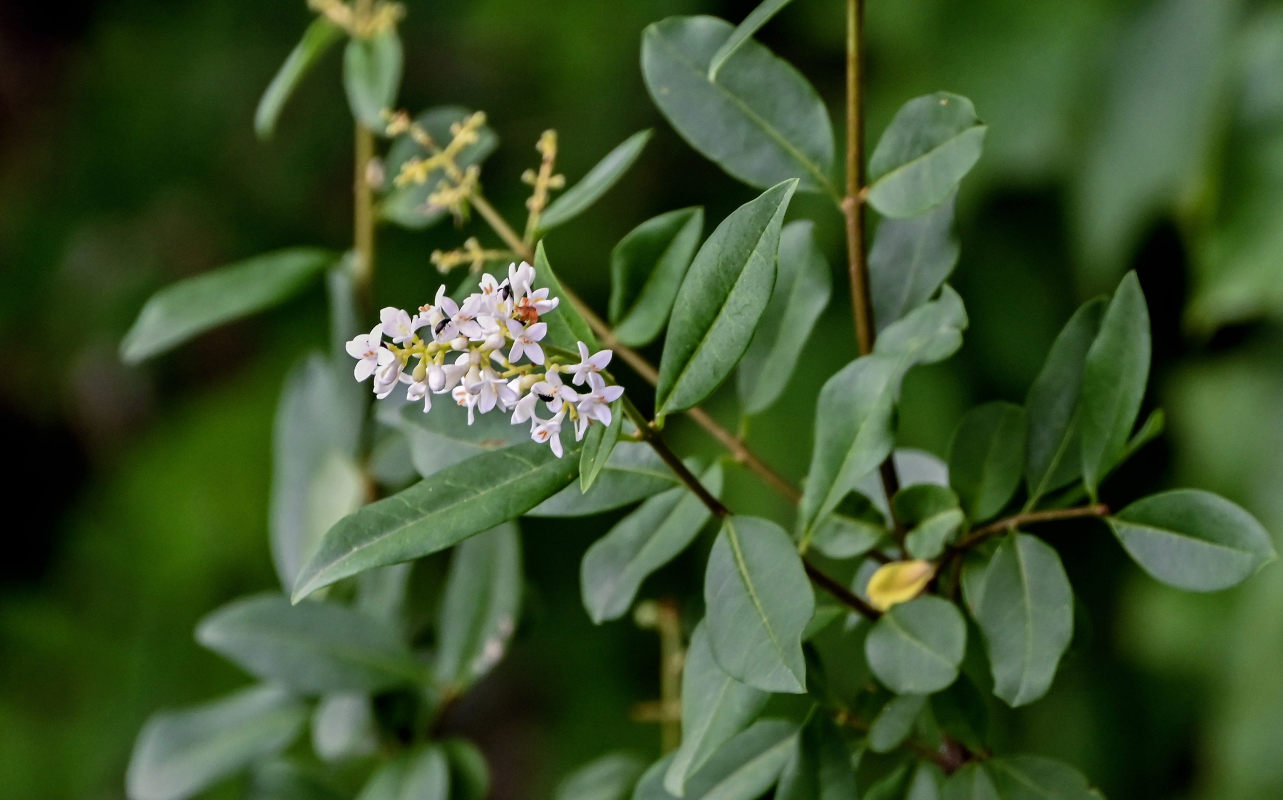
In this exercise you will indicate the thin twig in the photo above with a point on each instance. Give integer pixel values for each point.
(848, 598)
(1030, 518)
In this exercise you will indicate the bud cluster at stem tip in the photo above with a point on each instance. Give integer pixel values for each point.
(471, 351)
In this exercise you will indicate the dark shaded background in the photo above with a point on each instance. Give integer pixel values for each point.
(1124, 133)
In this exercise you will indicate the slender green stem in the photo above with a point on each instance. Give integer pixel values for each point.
(853, 211)
(657, 443)
(363, 217)
(1030, 518)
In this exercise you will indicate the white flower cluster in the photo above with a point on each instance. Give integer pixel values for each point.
(471, 351)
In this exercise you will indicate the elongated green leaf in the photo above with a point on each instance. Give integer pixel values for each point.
(632, 473)
(285, 780)
(604, 174)
(987, 457)
(926, 783)
(721, 301)
(315, 480)
(853, 432)
(610, 777)
(853, 419)
(892, 786)
(758, 602)
(761, 121)
(438, 512)
(479, 612)
(931, 143)
(408, 205)
(566, 327)
(179, 753)
(1193, 540)
(854, 528)
(894, 722)
(1052, 454)
(422, 774)
(311, 647)
(802, 289)
(192, 306)
(1037, 778)
(443, 437)
(971, 782)
(317, 39)
(916, 647)
(929, 537)
(715, 707)
(1026, 612)
(599, 443)
(747, 765)
(646, 270)
(1114, 378)
(909, 260)
(743, 32)
(820, 765)
(371, 77)
(469, 773)
(651, 784)
(642, 542)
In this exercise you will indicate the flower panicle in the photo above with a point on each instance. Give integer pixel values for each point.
(486, 353)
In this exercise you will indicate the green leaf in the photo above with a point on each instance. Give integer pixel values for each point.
(565, 325)
(192, 306)
(761, 121)
(284, 780)
(315, 479)
(971, 782)
(1037, 778)
(317, 39)
(758, 602)
(820, 765)
(920, 502)
(438, 511)
(479, 611)
(371, 77)
(469, 773)
(909, 260)
(646, 270)
(926, 783)
(802, 287)
(179, 753)
(894, 722)
(854, 528)
(916, 647)
(721, 301)
(312, 647)
(744, 32)
(422, 773)
(651, 784)
(599, 443)
(929, 537)
(987, 457)
(343, 727)
(931, 143)
(632, 473)
(853, 418)
(747, 765)
(604, 174)
(408, 205)
(715, 707)
(1051, 458)
(654, 534)
(1193, 540)
(1026, 612)
(1114, 378)
(853, 432)
(610, 777)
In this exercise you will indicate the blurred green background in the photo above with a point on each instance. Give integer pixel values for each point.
(1142, 134)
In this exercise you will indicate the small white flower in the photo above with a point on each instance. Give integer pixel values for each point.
(398, 324)
(525, 339)
(520, 279)
(549, 431)
(442, 317)
(466, 399)
(369, 351)
(525, 409)
(553, 392)
(419, 391)
(538, 300)
(589, 364)
(387, 376)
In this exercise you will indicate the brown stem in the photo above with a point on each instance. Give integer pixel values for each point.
(848, 598)
(1030, 518)
(950, 757)
(671, 657)
(657, 443)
